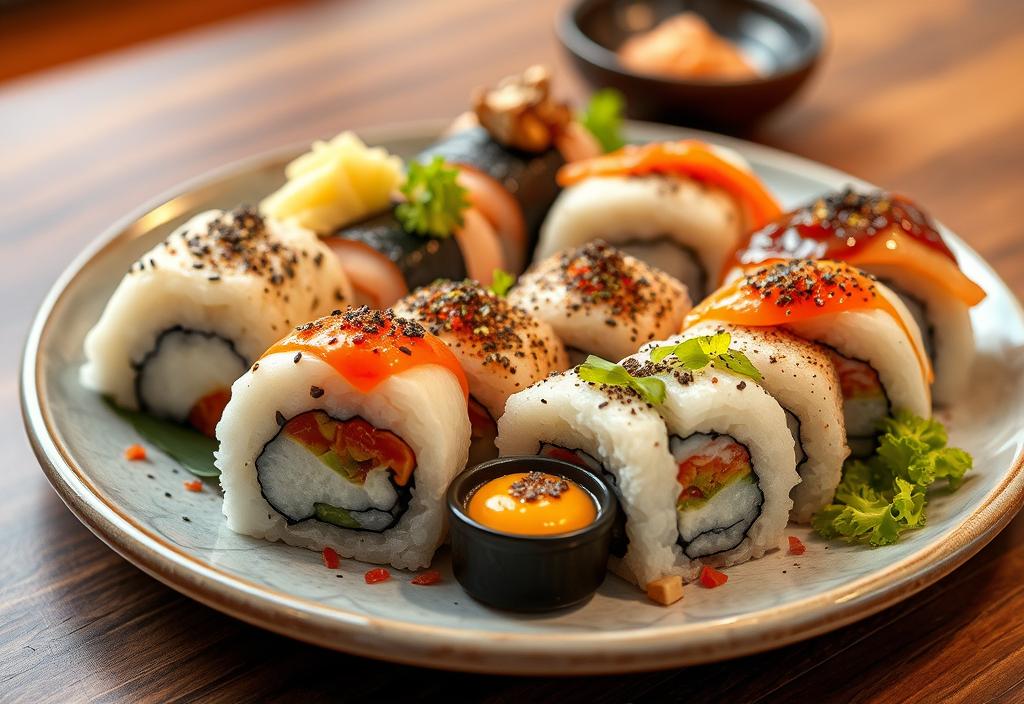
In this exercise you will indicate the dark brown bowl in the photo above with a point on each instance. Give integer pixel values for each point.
(529, 573)
(783, 38)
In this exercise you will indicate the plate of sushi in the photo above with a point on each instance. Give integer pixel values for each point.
(533, 391)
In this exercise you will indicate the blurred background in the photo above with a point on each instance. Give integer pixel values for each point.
(105, 104)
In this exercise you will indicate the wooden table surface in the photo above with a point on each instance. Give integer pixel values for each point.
(922, 97)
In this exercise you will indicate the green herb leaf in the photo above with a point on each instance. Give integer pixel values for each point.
(696, 353)
(190, 448)
(501, 282)
(601, 371)
(435, 201)
(603, 118)
(886, 494)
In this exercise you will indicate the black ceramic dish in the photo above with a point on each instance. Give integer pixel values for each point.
(783, 39)
(529, 573)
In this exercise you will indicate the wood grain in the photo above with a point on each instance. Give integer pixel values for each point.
(921, 97)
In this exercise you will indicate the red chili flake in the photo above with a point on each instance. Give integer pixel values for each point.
(431, 577)
(194, 485)
(135, 453)
(378, 574)
(711, 578)
(795, 546)
(331, 559)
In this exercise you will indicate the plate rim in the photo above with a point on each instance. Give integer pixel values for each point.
(474, 650)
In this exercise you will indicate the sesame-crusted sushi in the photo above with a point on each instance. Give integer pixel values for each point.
(733, 461)
(681, 206)
(892, 238)
(799, 375)
(346, 433)
(618, 436)
(602, 301)
(195, 311)
(502, 349)
(872, 339)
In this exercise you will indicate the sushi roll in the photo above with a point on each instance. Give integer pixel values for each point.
(346, 433)
(733, 460)
(890, 237)
(601, 301)
(871, 337)
(501, 348)
(615, 434)
(434, 233)
(799, 375)
(702, 477)
(680, 206)
(508, 151)
(195, 311)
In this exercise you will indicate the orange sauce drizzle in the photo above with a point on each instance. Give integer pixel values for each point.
(689, 157)
(779, 293)
(366, 347)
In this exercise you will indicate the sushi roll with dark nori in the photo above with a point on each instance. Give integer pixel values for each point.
(891, 237)
(508, 152)
(799, 375)
(434, 234)
(195, 311)
(502, 349)
(602, 301)
(681, 206)
(346, 433)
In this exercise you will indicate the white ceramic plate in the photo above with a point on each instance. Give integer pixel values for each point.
(766, 603)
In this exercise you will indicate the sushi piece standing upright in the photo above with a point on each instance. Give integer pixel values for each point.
(195, 311)
(502, 349)
(681, 206)
(872, 338)
(601, 301)
(615, 434)
(799, 375)
(346, 433)
(890, 237)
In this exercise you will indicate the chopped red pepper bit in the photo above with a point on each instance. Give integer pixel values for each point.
(378, 574)
(795, 546)
(331, 559)
(431, 577)
(135, 453)
(194, 485)
(711, 578)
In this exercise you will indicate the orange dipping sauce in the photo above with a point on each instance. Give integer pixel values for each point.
(532, 503)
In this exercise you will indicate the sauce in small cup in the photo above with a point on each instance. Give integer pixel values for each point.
(530, 533)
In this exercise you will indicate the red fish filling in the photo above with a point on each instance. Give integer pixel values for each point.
(856, 378)
(353, 447)
(206, 413)
(703, 474)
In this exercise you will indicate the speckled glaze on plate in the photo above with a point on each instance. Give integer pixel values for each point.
(767, 603)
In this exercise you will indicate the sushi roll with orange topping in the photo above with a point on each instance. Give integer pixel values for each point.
(681, 206)
(873, 340)
(892, 238)
(346, 433)
(602, 301)
(502, 349)
(195, 311)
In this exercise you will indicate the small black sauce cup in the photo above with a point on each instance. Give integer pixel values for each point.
(523, 572)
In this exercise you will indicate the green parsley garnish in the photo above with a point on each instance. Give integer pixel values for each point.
(501, 282)
(603, 118)
(884, 495)
(698, 352)
(434, 200)
(601, 371)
